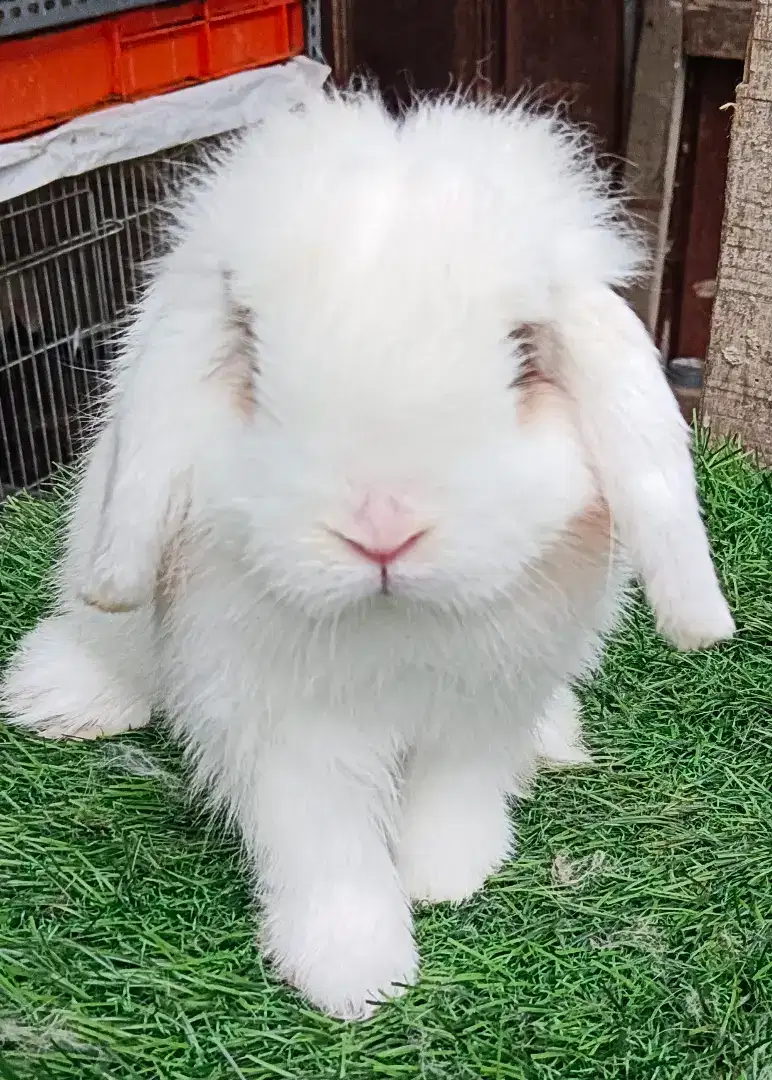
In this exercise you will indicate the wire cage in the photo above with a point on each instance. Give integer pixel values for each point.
(71, 263)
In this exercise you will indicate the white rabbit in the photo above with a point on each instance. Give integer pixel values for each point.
(382, 444)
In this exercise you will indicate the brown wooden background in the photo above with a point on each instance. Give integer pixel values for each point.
(572, 50)
(690, 280)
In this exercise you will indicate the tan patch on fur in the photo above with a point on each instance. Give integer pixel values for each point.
(538, 395)
(170, 579)
(116, 608)
(235, 373)
(582, 555)
(590, 533)
(585, 549)
(172, 573)
(588, 538)
(235, 367)
(173, 569)
(579, 559)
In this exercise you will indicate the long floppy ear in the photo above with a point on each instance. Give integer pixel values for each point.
(640, 450)
(186, 379)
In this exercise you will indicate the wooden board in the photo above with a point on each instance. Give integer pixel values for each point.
(570, 50)
(738, 391)
(337, 38)
(479, 43)
(653, 139)
(714, 90)
(414, 44)
(672, 284)
(717, 28)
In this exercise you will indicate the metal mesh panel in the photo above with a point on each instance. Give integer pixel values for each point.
(31, 16)
(71, 258)
(313, 9)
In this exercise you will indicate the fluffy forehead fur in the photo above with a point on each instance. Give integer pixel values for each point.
(480, 208)
(456, 215)
(394, 256)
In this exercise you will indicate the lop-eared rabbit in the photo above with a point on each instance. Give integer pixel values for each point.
(385, 448)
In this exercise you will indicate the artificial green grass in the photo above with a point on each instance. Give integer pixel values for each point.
(629, 939)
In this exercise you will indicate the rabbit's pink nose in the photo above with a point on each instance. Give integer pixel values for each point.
(383, 557)
(383, 529)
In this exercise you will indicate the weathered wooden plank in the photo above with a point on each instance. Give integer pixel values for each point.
(415, 44)
(738, 390)
(759, 57)
(714, 87)
(717, 28)
(566, 49)
(653, 139)
(572, 51)
(479, 43)
(337, 38)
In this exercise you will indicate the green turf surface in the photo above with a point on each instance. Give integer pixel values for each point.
(631, 938)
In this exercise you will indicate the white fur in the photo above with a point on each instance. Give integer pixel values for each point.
(366, 745)
(559, 738)
(638, 442)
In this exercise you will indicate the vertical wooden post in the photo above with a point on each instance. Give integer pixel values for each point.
(654, 138)
(737, 399)
(696, 239)
(337, 38)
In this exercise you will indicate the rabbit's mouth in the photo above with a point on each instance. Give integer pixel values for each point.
(385, 589)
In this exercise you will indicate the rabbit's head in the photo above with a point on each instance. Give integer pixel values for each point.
(399, 361)
(420, 455)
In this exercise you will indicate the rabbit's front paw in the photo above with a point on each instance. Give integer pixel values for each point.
(700, 628)
(449, 847)
(346, 949)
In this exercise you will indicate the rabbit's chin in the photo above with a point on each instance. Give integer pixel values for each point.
(367, 604)
(401, 598)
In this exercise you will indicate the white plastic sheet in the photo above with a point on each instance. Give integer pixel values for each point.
(147, 127)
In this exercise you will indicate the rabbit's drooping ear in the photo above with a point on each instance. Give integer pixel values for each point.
(640, 450)
(186, 378)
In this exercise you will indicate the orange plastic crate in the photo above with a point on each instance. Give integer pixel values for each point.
(48, 78)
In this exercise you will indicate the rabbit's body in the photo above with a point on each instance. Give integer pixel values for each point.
(368, 756)
(355, 541)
